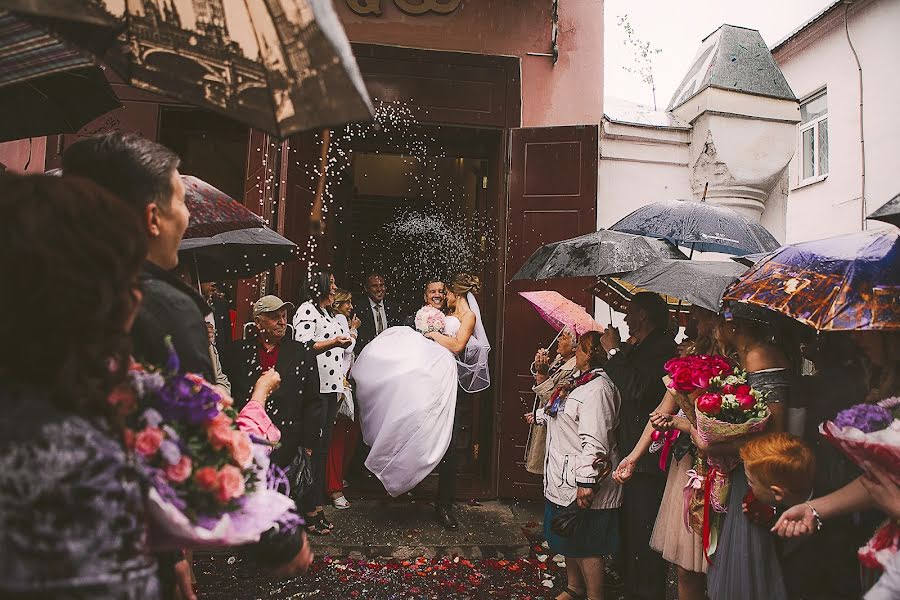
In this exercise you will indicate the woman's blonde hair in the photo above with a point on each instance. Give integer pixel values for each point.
(463, 283)
(341, 295)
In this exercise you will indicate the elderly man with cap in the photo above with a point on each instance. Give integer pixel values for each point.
(292, 405)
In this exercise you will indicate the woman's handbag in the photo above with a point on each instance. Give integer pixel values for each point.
(300, 476)
(568, 520)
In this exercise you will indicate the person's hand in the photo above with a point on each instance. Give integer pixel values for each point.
(355, 322)
(883, 491)
(797, 521)
(300, 563)
(529, 418)
(662, 421)
(624, 471)
(540, 378)
(211, 332)
(308, 451)
(611, 338)
(268, 382)
(432, 335)
(542, 362)
(585, 497)
(342, 341)
(183, 580)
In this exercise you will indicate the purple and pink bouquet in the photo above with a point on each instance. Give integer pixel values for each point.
(870, 433)
(429, 319)
(209, 481)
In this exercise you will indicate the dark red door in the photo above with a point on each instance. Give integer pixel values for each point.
(552, 196)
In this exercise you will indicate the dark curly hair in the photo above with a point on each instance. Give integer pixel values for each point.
(69, 260)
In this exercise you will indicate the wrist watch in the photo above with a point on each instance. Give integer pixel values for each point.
(612, 352)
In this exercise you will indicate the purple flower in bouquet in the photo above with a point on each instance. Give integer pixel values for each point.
(865, 417)
(187, 398)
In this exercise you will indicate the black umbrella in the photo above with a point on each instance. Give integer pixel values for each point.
(236, 254)
(889, 212)
(46, 85)
(748, 260)
(279, 66)
(700, 225)
(699, 282)
(224, 239)
(596, 254)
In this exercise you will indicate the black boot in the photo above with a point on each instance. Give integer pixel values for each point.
(445, 516)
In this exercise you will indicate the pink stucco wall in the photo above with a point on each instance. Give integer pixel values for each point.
(568, 93)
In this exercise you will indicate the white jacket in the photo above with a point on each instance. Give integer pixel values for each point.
(585, 425)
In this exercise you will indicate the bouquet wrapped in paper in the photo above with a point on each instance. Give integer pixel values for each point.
(870, 433)
(429, 319)
(210, 483)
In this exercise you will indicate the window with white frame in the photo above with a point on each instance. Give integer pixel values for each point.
(814, 137)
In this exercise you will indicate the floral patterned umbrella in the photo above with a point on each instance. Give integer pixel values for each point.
(560, 312)
(842, 283)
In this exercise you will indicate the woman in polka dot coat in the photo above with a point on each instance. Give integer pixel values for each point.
(314, 326)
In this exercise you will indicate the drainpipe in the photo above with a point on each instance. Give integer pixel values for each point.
(862, 136)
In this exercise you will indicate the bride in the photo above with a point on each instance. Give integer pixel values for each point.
(407, 383)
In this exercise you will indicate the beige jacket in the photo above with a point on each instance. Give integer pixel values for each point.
(535, 447)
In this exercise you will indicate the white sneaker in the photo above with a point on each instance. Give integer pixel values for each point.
(340, 503)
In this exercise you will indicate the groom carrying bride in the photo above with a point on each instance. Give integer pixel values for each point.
(407, 384)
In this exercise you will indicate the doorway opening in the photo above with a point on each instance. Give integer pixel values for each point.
(413, 217)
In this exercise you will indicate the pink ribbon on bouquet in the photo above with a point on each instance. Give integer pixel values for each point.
(695, 482)
(666, 437)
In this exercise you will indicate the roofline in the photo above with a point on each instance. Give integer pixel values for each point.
(727, 25)
(807, 24)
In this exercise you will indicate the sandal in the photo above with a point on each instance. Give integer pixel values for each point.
(340, 503)
(324, 520)
(573, 595)
(316, 526)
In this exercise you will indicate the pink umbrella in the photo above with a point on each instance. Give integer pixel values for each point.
(560, 312)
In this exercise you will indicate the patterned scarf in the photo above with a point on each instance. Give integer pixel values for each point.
(558, 400)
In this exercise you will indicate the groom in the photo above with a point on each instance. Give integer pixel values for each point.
(436, 297)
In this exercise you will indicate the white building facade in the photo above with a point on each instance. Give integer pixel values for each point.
(844, 67)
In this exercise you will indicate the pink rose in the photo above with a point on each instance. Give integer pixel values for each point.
(710, 404)
(241, 449)
(122, 397)
(147, 441)
(742, 390)
(206, 478)
(180, 471)
(230, 484)
(219, 431)
(682, 381)
(745, 402)
(727, 389)
(700, 378)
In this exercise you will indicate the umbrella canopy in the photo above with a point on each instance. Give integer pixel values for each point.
(889, 212)
(596, 254)
(701, 225)
(841, 283)
(279, 66)
(224, 239)
(698, 282)
(748, 260)
(560, 312)
(46, 85)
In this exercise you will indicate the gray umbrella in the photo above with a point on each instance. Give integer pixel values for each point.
(748, 260)
(889, 212)
(700, 282)
(701, 225)
(596, 254)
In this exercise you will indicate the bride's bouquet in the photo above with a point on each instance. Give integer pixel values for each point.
(429, 319)
(871, 433)
(208, 479)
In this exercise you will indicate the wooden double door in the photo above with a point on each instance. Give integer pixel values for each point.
(543, 188)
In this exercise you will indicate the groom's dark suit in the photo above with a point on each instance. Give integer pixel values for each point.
(367, 330)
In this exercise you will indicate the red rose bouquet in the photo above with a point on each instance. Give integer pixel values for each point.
(209, 481)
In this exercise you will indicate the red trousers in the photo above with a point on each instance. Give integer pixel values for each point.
(343, 444)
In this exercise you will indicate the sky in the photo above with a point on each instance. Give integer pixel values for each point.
(677, 28)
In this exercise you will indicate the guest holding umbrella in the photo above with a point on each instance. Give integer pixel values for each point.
(581, 426)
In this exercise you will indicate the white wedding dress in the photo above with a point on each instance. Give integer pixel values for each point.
(406, 389)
